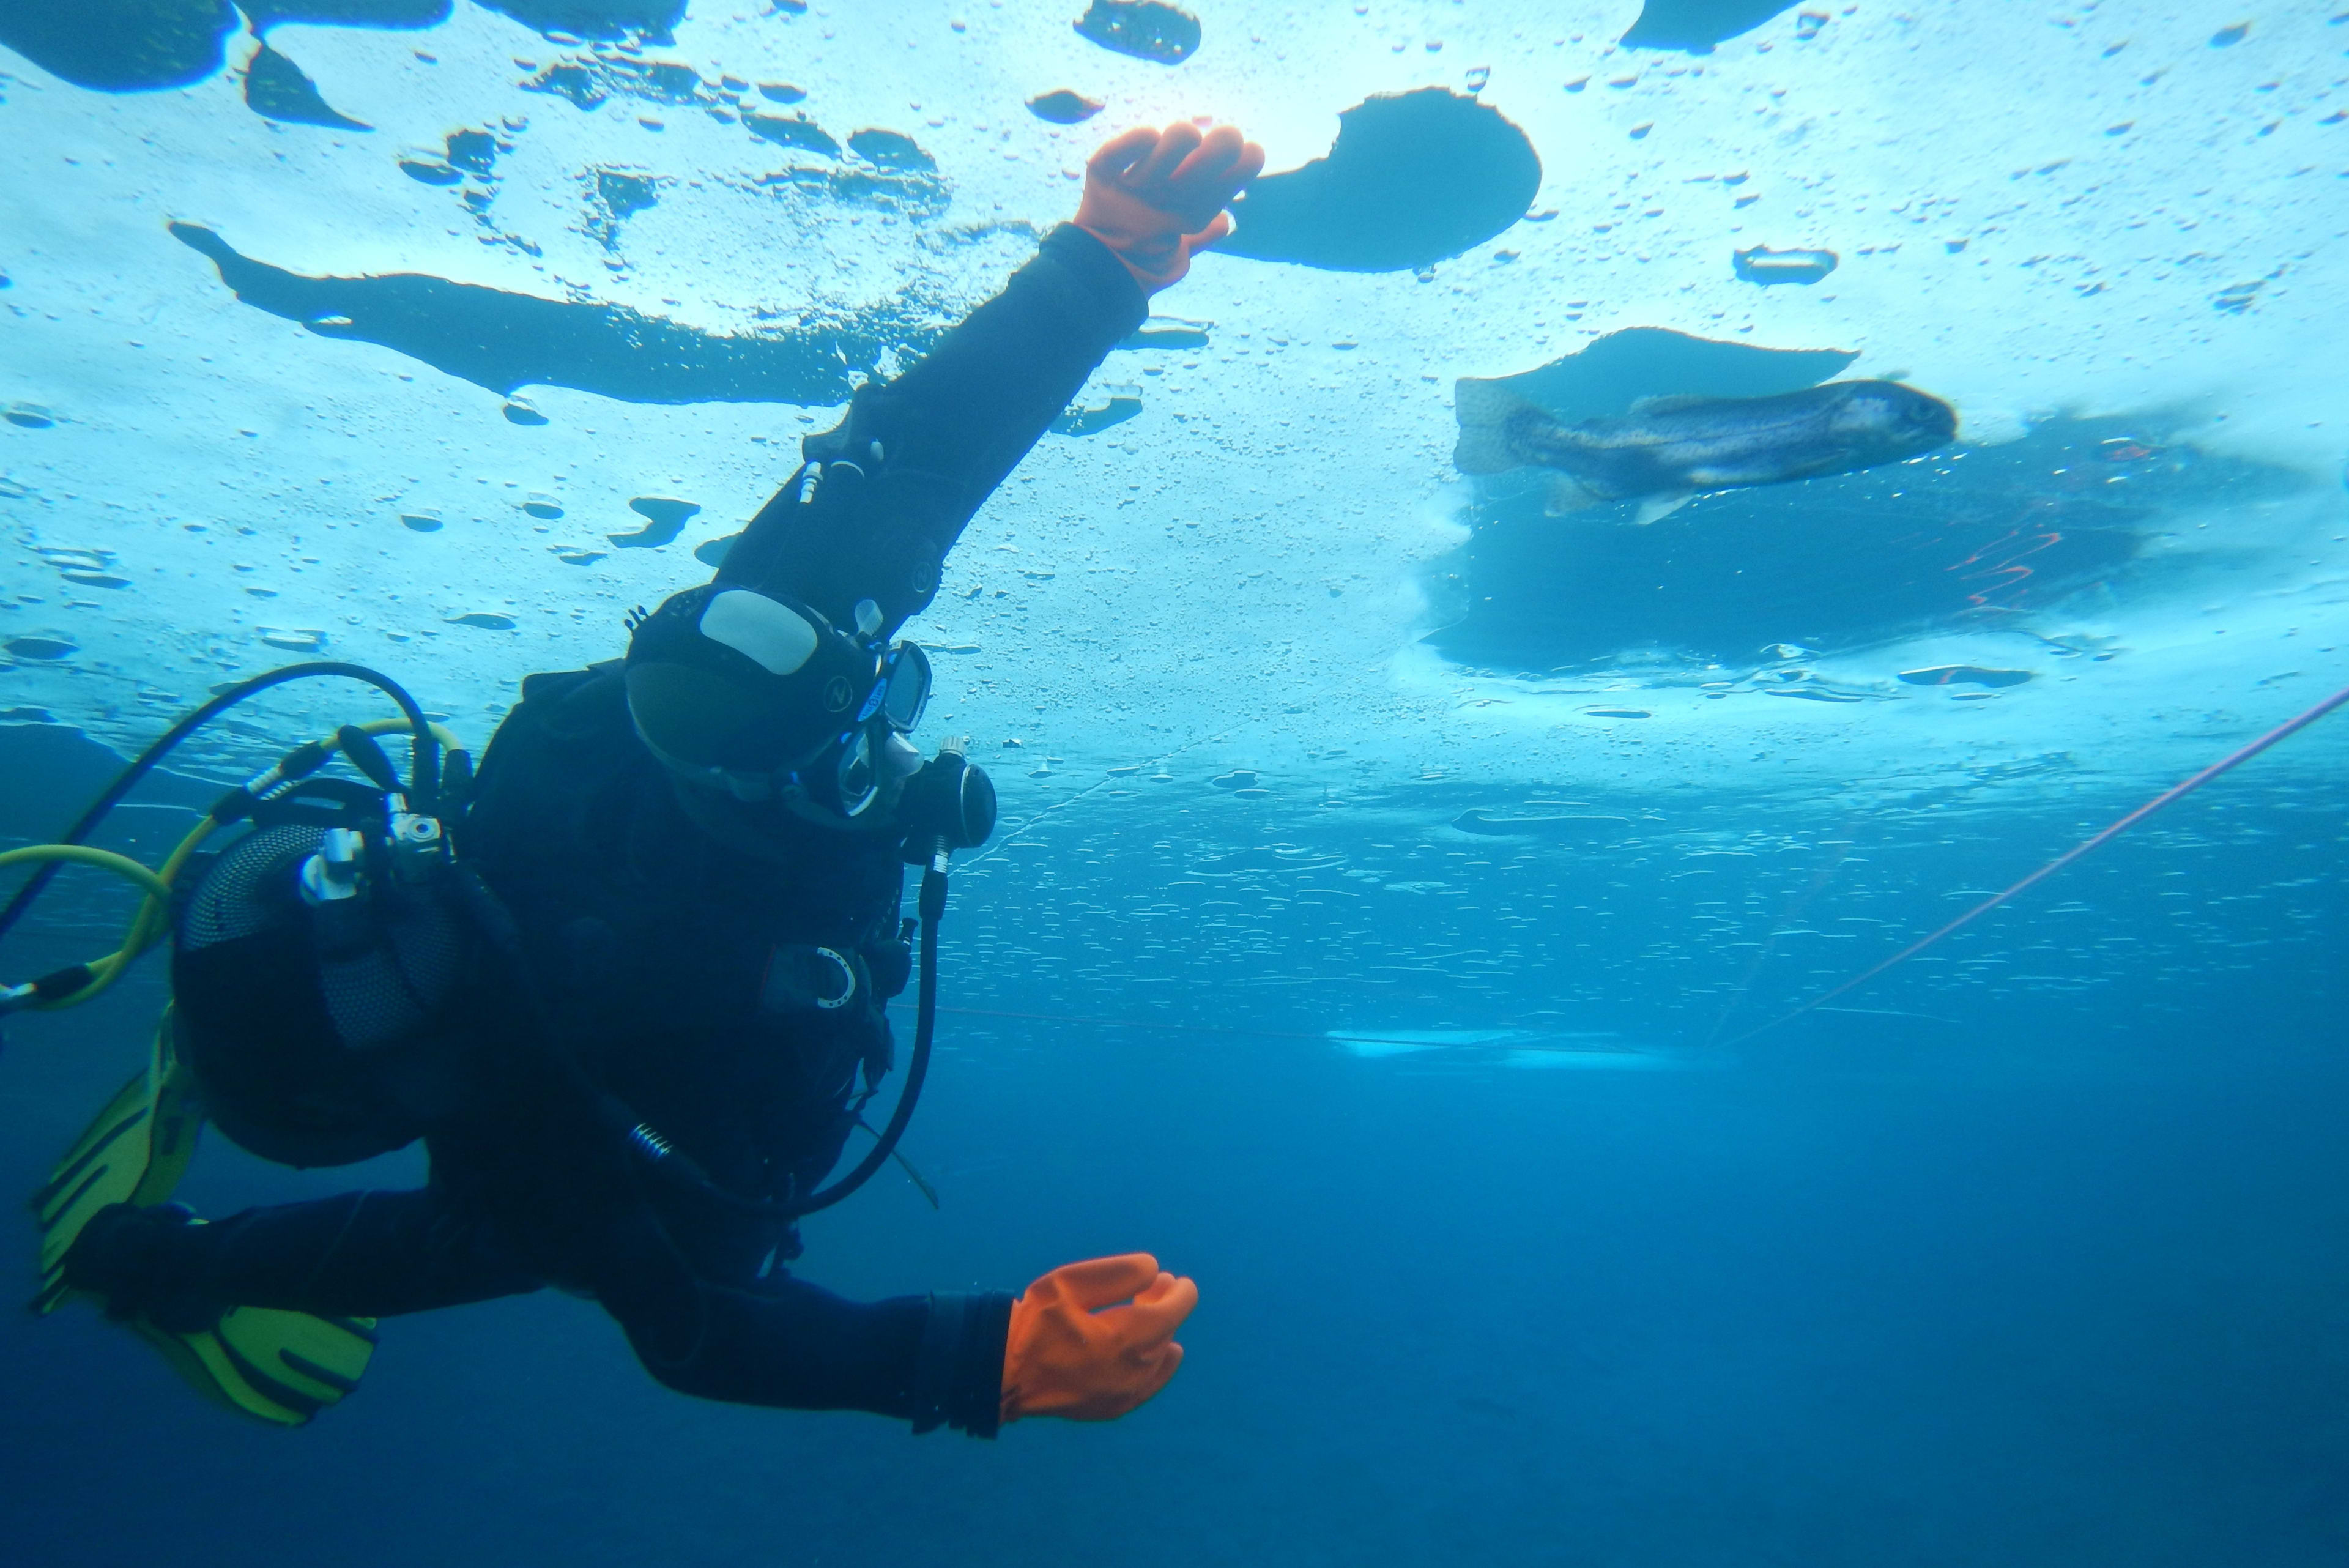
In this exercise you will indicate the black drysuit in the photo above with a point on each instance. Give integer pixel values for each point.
(652, 941)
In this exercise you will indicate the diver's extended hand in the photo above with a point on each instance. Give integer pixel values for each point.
(1075, 1352)
(1156, 197)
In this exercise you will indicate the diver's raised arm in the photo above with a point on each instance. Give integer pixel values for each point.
(917, 456)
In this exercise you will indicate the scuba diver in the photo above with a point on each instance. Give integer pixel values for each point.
(627, 980)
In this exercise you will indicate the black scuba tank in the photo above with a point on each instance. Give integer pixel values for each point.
(316, 1027)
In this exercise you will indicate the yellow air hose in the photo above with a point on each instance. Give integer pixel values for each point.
(152, 920)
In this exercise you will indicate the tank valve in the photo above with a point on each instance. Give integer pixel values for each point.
(333, 874)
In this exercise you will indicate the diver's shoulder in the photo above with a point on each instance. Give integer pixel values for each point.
(570, 719)
(553, 687)
(580, 704)
(556, 761)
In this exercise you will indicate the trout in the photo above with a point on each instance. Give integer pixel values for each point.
(1667, 449)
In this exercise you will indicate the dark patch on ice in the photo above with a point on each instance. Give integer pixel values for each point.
(1146, 29)
(28, 416)
(711, 553)
(1063, 107)
(277, 88)
(889, 149)
(614, 196)
(609, 20)
(466, 151)
(1696, 26)
(140, 45)
(782, 92)
(2227, 37)
(504, 341)
(1761, 265)
(399, 15)
(793, 130)
(665, 518)
(586, 81)
(580, 82)
(2237, 299)
(120, 46)
(475, 152)
(35, 647)
(1969, 537)
(430, 171)
(1412, 178)
(623, 194)
(469, 158)
(1604, 379)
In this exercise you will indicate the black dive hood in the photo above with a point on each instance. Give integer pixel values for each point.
(759, 698)
(733, 689)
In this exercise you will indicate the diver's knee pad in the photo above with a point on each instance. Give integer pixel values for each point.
(317, 1037)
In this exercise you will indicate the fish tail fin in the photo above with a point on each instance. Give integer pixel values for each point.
(1566, 495)
(1485, 410)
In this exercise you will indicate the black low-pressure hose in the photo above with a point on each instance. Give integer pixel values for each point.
(933, 905)
(421, 778)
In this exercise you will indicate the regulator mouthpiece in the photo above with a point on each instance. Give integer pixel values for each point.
(951, 798)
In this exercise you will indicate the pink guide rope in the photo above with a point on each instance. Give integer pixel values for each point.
(2288, 727)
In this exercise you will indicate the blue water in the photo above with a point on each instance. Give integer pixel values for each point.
(2058, 1281)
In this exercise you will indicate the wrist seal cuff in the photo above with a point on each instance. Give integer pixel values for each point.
(959, 1370)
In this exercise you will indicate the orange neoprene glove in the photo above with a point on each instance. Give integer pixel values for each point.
(1156, 197)
(1074, 1351)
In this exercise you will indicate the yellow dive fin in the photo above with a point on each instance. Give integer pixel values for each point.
(279, 1366)
(134, 1152)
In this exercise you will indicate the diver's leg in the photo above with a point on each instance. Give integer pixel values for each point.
(361, 1254)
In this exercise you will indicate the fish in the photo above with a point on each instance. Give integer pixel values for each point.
(1666, 451)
